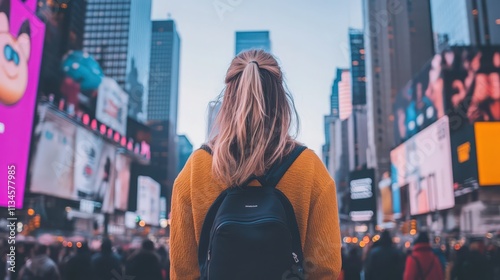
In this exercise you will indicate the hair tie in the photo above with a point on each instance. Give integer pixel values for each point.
(256, 63)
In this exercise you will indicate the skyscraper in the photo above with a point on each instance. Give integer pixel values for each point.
(357, 67)
(466, 22)
(246, 40)
(185, 150)
(398, 43)
(115, 33)
(163, 96)
(340, 99)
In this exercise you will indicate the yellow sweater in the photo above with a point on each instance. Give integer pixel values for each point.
(306, 184)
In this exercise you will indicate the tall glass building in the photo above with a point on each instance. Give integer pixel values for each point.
(246, 40)
(163, 96)
(115, 35)
(466, 22)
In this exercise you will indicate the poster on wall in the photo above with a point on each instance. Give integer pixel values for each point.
(21, 44)
(112, 104)
(148, 200)
(122, 181)
(423, 165)
(53, 161)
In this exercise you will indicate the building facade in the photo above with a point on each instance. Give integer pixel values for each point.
(185, 151)
(398, 42)
(466, 22)
(246, 40)
(358, 74)
(115, 32)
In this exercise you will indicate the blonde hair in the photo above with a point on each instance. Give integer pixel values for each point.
(254, 121)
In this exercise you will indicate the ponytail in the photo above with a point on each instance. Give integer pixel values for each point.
(253, 121)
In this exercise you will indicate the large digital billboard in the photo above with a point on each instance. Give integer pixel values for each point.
(464, 159)
(362, 203)
(53, 161)
(461, 82)
(21, 44)
(423, 165)
(122, 182)
(488, 152)
(148, 200)
(112, 104)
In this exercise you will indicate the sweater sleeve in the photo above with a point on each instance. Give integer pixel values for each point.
(183, 245)
(322, 248)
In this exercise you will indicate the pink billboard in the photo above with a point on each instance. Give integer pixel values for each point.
(21, 44)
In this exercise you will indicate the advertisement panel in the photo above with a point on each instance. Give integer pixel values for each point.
(112, 103)
(52, 165)
(464, 160)
(362, 202)
(385, 189)
(461, 82)
(122, 182)
(148, 200)
(423, 165)
(87, 155)
(104, 180)
(488, 152)
(21, 43)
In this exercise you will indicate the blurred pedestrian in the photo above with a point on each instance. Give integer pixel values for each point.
(105, 264)
(472, 263)
(384, 262)
(144, 264)
(40, 266)
(422, 263)
(164, 261)
(78, 266)
(352, 265)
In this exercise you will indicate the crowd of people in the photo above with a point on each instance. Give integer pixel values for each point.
(43, 262)
(383, 260)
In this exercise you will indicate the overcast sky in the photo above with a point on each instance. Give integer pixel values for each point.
(310, 39)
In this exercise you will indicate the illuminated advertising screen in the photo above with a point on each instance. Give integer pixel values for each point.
(362, 203)
(112, 103)
(488, 152)
(53, 160)
(461, 82)
(423, 164)
(464, 159)
(21, 44)
(87, 154)
(386, 200)
(122, 182)
(148, 200)
(104, 178)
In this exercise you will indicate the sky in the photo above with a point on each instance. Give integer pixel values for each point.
(309, 38)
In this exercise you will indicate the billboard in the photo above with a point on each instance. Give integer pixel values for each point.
(362, 203)
(488, 152)
(122, 182)
(87, 154)
(53, 160)
(423, 165)
(464, 159)
(148, 200)
(385, 189)
(461, 82)
(112, 103)
(21, 44)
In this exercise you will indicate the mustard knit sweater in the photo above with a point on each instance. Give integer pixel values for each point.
(306, 184)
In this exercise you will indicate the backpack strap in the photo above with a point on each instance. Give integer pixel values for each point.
(279, 168)
(206, 148)
(207, 226)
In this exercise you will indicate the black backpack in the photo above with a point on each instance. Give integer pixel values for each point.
(251, 232)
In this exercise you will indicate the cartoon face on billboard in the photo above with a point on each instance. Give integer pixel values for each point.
(14, 57)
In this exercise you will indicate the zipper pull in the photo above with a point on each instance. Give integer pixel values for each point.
(295, 258)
